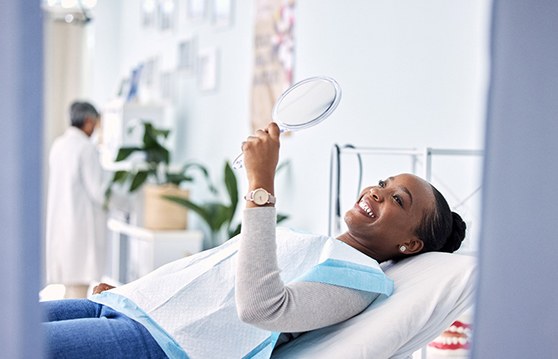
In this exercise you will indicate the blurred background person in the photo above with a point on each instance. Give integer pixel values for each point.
(76, 219)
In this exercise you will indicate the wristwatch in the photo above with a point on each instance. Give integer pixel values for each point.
(260, 197)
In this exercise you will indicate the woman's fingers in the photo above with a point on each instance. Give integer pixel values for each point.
(261, 150)
(101, 287)
(272, 132)
(273, 129)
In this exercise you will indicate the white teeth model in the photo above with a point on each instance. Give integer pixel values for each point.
(367, 209)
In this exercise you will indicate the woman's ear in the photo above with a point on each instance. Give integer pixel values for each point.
(412, 246)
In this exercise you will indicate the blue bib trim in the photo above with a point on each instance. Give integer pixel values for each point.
(264, 349)
(335, 272)
(339, 272)
(349, 275)
(131, 310)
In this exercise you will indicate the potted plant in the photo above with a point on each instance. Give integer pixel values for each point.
(155, 175)
(219, 214)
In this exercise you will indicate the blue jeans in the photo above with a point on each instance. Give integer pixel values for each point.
(80, 328)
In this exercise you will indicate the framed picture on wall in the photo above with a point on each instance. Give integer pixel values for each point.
(166, 14)
(196, 9)
(187, 55)
(148, 13)
(207, 69)
(222, 13)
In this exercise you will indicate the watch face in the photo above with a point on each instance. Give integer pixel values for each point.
(260, 197)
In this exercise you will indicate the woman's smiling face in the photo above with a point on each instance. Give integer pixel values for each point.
(387, 215)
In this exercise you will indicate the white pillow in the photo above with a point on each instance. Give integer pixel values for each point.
(431, 291)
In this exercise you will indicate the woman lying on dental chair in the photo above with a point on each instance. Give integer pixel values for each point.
(263, 287)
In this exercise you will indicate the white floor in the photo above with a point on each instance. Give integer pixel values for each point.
(56, 291)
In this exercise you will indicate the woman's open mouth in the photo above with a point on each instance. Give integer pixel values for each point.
(363, 205)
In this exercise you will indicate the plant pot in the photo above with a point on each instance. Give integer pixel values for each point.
(162, 214)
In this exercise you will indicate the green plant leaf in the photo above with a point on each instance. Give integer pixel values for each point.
(219, 215)
(120, 176)
(233, 232)
(108, 194)
(200, 211)
(281, 217)
(125, 152)
(214, 214)
(138, 179)
(160, 132)
(178, 178)
(151, 135)
(157, 154)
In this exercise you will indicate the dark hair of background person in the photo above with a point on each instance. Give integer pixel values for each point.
(79, 111)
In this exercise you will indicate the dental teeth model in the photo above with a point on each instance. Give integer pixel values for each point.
(454, 341)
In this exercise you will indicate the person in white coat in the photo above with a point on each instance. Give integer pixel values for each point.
(76, 220)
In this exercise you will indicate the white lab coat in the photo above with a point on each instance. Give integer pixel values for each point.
(76, 221)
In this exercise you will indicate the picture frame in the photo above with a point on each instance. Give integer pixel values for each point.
(196, 9)
(207, 69)
(148, 13)
(186, 55)
(222, 13)
(166, 14)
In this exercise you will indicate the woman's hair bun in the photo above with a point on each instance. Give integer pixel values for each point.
(457, 234)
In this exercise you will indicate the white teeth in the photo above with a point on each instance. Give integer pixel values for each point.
(367, 209)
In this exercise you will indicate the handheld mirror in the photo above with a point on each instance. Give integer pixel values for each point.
(303, 105)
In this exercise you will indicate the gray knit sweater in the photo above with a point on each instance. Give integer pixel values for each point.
(265, 301)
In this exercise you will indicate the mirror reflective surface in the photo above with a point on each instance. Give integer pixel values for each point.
(303, 105)
(306, 103)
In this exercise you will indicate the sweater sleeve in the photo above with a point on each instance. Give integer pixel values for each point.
(263, 300)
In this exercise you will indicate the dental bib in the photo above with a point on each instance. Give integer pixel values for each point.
(189, 305)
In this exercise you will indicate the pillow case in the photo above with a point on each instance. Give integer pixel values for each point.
(431, 291)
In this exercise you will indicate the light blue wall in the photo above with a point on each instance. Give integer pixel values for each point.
(517, 306)
(21, 50)
(413, 74)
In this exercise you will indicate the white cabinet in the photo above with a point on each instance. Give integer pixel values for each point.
(136, 251)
